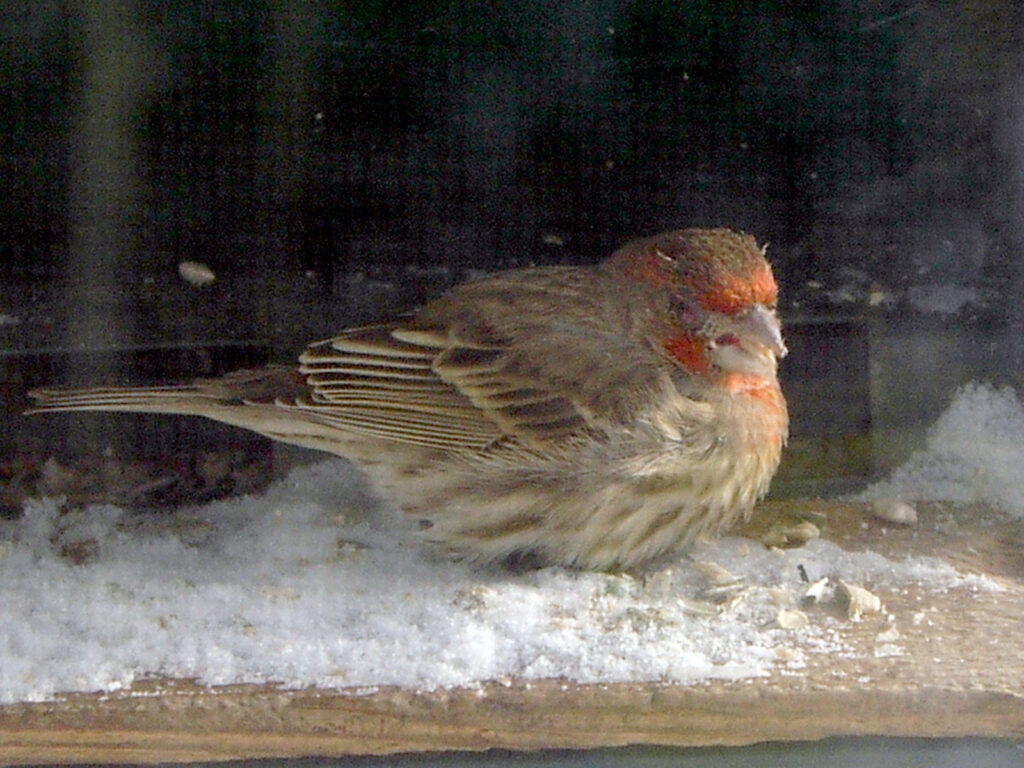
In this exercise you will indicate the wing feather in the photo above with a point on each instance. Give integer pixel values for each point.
(429, 388)
(497, 362)
(371, 381)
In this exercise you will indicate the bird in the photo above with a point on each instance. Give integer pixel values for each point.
(593, 417)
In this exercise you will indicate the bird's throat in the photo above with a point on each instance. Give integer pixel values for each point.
(751, 384)
(765, 396)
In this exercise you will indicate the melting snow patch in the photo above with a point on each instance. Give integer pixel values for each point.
(974, 453)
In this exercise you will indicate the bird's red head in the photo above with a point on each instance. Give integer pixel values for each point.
(721, 294)
(724, 271)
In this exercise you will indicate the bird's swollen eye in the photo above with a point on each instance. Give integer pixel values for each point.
(726, 340)
(687, 313)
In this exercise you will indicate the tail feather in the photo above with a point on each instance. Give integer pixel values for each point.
(181, 399)
(248, 399)
(202, 396)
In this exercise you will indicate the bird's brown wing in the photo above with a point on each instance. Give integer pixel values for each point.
(370, 381)
(497, 359)
(426, 388)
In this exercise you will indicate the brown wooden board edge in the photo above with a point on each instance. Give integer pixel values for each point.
(177, 721)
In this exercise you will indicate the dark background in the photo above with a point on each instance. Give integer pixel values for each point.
(335, 162)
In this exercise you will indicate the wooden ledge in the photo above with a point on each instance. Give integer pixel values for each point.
(959, 672)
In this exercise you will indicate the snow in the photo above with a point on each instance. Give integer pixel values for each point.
(294, 589)
(974, 453)
(313, 584)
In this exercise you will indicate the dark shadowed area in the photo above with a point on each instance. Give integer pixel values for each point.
(330, 164)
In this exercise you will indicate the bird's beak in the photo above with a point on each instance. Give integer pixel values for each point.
(761, 325)
(750, 343)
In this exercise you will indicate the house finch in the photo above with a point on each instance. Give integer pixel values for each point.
(590, 417)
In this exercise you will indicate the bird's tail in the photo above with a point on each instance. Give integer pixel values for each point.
(262, 400)
(263, 386)
(180, 399)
